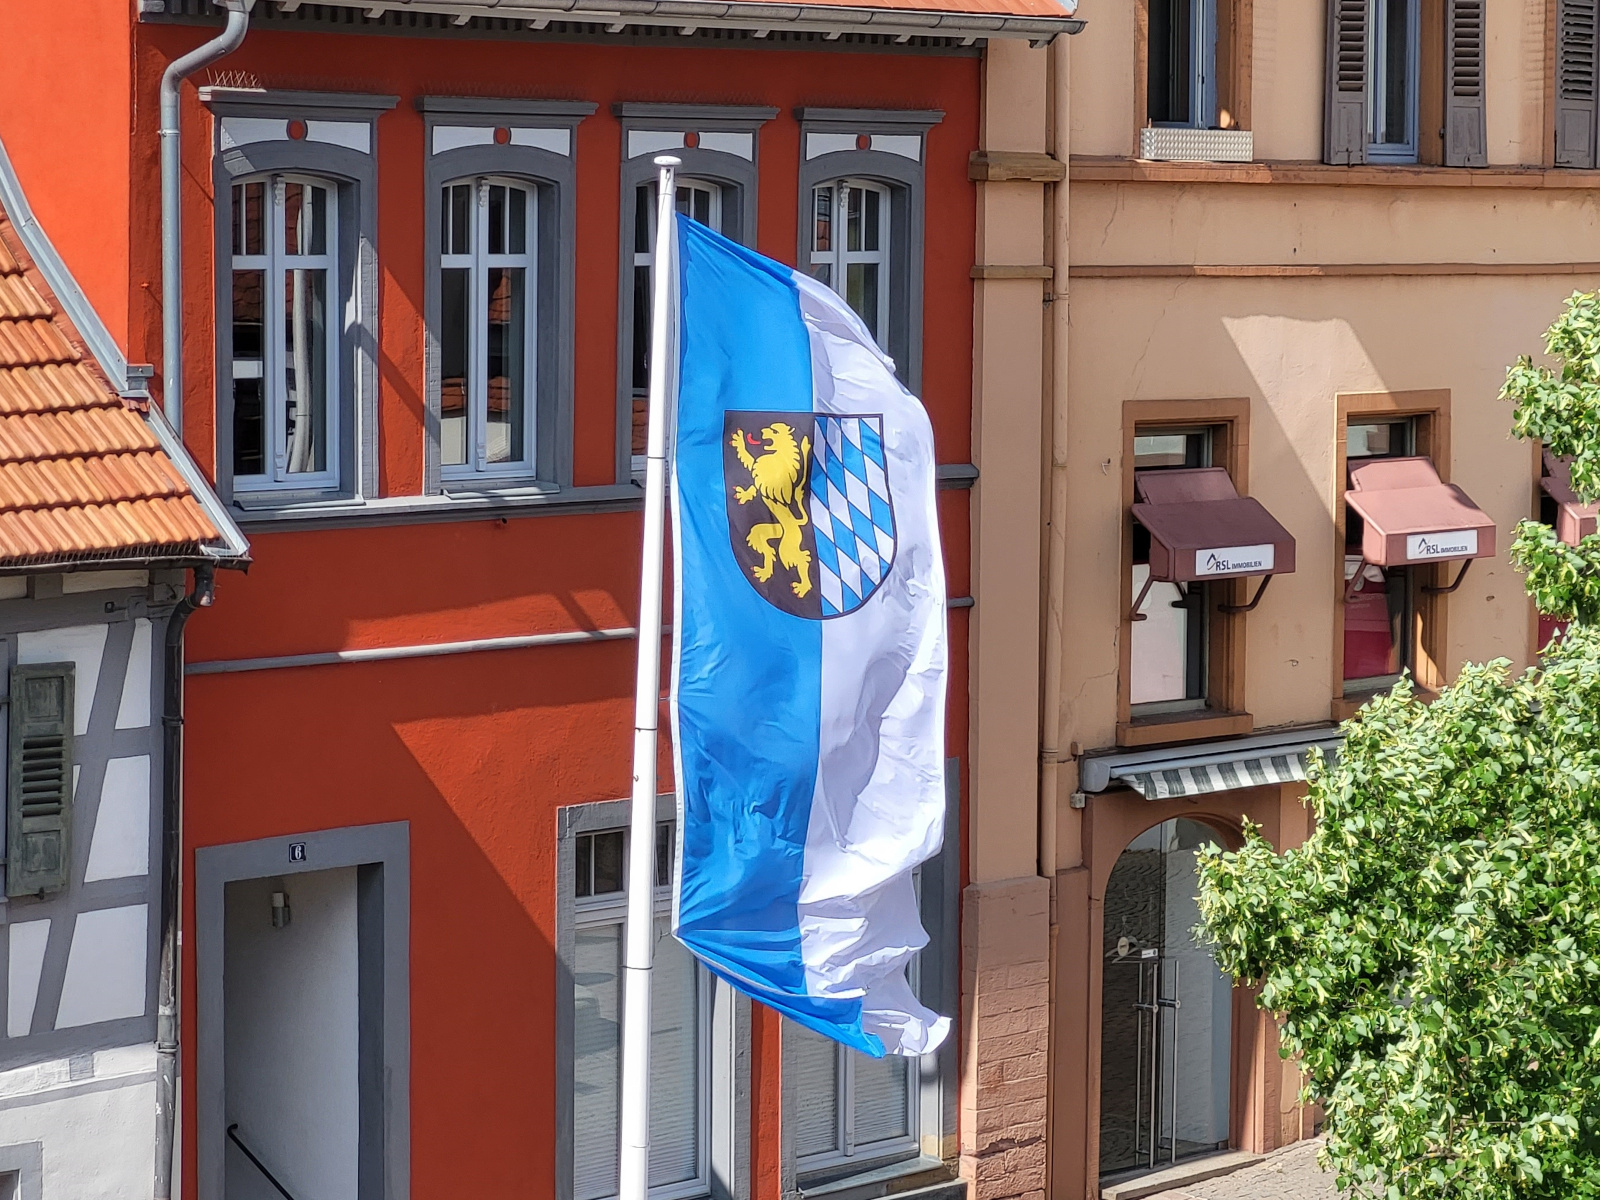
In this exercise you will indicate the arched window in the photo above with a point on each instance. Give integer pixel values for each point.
(699, 199)
(487, 314)
(286, 332)
(850, 247)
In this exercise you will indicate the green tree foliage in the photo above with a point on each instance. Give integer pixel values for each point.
(1433, 950)
(1562, 410)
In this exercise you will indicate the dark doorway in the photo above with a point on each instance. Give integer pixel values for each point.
(1166, 1027)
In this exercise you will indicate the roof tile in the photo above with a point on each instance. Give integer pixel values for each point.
(52, 386)
(32, 341)
(82, 475)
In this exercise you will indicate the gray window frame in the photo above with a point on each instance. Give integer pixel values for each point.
(23, 1163)
(1201, 69)
(354, 177)
(939, 987)
(554, 178)
(382, 857)
(738, 180)
(1394, 152)
(907, 184)
(729, 1048)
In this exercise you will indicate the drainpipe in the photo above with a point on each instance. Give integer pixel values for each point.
(171, 203)
(171, 873)
(1051, 750)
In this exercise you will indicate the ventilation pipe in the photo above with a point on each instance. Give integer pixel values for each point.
(171, 205)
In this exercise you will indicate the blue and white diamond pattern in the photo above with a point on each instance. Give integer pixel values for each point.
(850, 510)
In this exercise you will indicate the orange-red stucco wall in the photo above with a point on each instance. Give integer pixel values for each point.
(66, 106)
(477, 752)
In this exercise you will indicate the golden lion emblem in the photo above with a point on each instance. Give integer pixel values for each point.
(778, 476)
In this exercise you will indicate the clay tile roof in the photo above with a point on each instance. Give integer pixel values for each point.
(83, 477)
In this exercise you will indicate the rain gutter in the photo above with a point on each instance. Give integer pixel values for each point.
(172, 205)
(690, 15)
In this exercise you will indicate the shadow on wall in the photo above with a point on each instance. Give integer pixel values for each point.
(475, 752)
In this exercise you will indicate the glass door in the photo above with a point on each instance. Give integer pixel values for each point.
(1166, 1030)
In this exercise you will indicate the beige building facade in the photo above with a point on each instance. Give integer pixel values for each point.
(1236, 259)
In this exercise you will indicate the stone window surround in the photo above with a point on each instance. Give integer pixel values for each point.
(554, 176)
(940, 989)
(353, 172)
(729, 1049)
(906, 181)
(738, 178)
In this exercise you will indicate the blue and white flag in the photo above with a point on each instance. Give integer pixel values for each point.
(809, 651)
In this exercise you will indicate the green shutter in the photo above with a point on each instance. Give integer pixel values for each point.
(39, 782)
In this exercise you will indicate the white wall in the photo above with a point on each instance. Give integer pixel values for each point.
(95, 1118)
(290, 1024)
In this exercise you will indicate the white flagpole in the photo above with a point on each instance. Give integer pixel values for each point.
(633, 1180)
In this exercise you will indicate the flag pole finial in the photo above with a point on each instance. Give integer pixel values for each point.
(633, 1178)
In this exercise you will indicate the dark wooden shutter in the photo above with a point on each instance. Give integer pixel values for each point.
(1576, 82)
(1344, 133)
(39, 782)
(1465, 136)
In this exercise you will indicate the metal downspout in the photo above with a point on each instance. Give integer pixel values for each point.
(1051, 749)
(171, 875)
(1051, 738)
(171, 204)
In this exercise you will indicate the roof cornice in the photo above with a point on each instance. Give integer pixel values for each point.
(746, 14)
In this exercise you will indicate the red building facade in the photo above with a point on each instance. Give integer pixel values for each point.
(405, 724)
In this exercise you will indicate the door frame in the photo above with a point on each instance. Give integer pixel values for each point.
(1159, 1014)
(1112, 820)
(381, 854)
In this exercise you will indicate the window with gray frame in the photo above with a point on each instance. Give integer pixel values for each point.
(295, 177)
(853, 1111)
(1182, 63)
(1393, 71)
(862, 196)
(488, 312)
(1374, 104)
(500, 227)
(716, 185)
(699, 1029)
(286, 333)
(851, 1114)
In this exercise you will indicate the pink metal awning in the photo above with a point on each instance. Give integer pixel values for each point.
(1575, 520)
(1201, 528)
(1414, 517)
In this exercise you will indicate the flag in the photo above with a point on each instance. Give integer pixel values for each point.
(809, 651)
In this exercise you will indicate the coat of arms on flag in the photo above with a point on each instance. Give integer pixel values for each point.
(809, 512)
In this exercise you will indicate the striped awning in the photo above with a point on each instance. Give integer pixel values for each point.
(1215, 777)
(1199, 768)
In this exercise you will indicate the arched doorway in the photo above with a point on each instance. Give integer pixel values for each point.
(1166, 1025)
